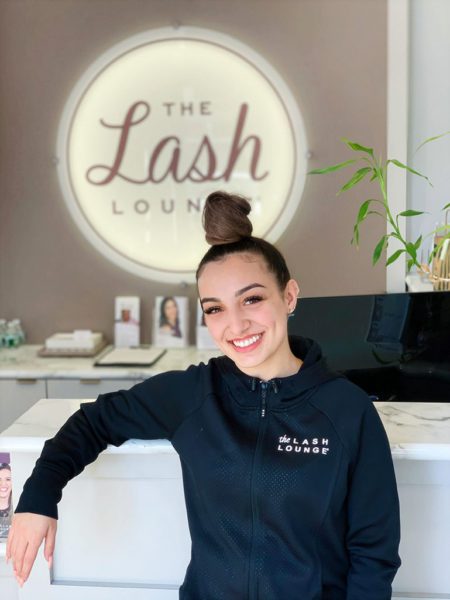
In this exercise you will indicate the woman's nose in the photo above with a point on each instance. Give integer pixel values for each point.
(238, 322)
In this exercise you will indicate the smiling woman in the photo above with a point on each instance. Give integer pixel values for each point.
(246, 291)
(288, 476)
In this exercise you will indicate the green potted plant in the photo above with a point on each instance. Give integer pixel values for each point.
(377, 170)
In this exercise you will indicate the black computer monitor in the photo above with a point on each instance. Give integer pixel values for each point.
(395, 346)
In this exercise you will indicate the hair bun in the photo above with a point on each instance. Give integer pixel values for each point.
(225, 218)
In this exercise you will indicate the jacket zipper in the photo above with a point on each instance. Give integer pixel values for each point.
(263, 398)
(252, 582)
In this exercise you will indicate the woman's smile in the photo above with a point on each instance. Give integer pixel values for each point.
(247, 344)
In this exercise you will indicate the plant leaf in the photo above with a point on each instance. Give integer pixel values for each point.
(438, 246)
(397, 163)
(362, 214)
(360, 174)
(411, 213)
(358, 147)
(394, 257)
(442, 228)
(355, 238)
(412, 251)
(418, 242)
(446, 206)
(378, 250)
(431, 139)
(410, 263)
(341, 165)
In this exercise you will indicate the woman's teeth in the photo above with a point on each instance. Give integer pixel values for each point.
(247, 342)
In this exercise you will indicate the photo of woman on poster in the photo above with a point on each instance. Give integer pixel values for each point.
(6, 510)
(169, 321)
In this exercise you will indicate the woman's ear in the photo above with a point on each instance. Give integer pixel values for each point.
(291, 294)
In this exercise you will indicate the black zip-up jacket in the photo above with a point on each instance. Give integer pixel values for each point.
(289, 484)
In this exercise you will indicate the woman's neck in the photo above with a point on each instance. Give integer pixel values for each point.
(284, 364)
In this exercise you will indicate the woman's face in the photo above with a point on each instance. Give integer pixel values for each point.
(5, 483)
(170, 310)
(246, 313)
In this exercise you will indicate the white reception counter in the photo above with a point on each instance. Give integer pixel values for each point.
(122, 531)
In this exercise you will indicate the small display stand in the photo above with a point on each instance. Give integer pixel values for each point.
(126, 321)
(203, 337)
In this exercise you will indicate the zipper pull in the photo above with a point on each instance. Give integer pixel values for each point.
(263, 398)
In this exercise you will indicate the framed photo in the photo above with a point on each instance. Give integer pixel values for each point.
(170, 322)
(126, 321)
(6, 505)
(203, 337)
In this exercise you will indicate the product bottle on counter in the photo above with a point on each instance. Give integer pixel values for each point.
(14, 334)
(2, 333)
(19, 331)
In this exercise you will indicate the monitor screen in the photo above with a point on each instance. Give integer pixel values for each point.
(395, 346)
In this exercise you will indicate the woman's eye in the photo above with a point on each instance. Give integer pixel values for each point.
(211, 310)
(252, 299)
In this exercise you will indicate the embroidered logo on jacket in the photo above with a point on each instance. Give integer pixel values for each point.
(313, 445)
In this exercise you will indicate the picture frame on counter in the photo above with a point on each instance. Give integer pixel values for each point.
(171, 322)
(126, 321)
(204, 340)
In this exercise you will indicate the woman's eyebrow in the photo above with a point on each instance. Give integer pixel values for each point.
(203, 300)
(237, 293)
(248, 287)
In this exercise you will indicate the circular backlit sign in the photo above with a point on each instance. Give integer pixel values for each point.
(159, 122)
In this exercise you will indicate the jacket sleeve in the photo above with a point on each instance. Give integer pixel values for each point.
(149, 410)
(373, 534)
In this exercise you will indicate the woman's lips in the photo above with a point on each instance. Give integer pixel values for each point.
(248, 343)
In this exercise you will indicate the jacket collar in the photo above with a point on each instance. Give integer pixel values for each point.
(283, 391)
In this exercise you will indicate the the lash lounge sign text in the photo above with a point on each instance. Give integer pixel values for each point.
(160, 121)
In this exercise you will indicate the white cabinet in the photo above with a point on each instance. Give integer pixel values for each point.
(89, 387)
(424, 492)
(17, 396)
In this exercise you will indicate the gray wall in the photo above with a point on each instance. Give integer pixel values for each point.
(429, 105)
(332, 54)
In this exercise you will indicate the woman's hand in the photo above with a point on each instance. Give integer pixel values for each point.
(26, 534)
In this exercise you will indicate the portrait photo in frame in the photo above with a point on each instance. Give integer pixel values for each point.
(170, 322)
(204, 340)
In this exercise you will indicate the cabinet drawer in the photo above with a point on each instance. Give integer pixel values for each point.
(86, 387)
(17, 396)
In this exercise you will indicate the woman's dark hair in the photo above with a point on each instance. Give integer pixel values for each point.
(229, 231)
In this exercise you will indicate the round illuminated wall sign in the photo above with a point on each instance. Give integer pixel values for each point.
(160, 121)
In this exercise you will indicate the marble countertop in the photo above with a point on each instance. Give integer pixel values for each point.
(416, 430)
(24, 363)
